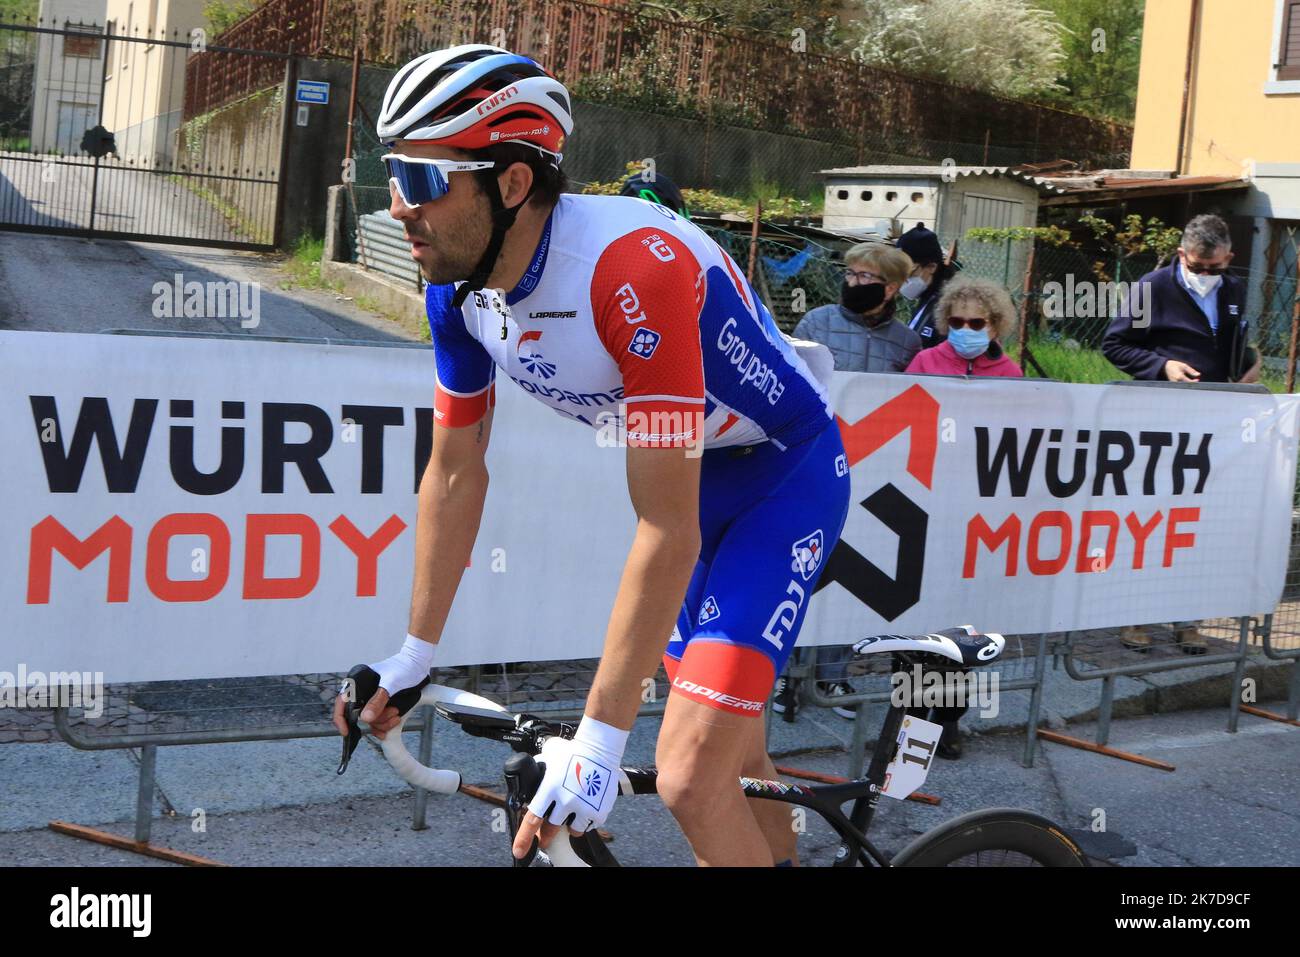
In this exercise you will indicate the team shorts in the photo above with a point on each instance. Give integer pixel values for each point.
(769, 519)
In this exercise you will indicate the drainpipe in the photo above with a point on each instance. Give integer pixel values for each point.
(1192, 23)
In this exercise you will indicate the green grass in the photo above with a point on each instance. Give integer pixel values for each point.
(1070, 365)
(302, 268)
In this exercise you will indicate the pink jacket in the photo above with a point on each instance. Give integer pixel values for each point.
(943, 360)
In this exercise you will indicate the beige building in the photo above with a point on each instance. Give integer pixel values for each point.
(144, 89)
(1239, 116)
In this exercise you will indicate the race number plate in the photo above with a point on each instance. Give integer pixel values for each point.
(917, 742)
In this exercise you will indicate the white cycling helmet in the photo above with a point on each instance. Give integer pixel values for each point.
(475, 96)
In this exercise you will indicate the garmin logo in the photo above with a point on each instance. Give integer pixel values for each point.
(571, 314)
(102, 910)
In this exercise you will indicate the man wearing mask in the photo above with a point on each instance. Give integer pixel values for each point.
(1185, 322)
(925, 283)
(860, 329)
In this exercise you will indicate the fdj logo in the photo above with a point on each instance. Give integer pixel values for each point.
(644, 343)
(709, 610)
(915, 412)
(807, 554)
(587, 780)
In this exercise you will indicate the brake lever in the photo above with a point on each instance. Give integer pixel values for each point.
(363, 681)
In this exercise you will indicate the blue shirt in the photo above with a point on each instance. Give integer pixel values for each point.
(1209, 304)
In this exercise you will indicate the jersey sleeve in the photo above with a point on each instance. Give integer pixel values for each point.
(646, 293)
(465, 387)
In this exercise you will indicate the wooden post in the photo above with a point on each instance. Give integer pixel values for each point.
(1295, 328)
(986, 146)
(753, 242)
(1024, 302)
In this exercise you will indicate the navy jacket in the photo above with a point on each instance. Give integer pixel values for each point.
(1178, 329)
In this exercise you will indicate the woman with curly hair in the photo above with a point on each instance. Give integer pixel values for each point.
(974, 314)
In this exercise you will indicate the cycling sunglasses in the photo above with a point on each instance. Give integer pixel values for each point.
(419, 180)
(975, 325)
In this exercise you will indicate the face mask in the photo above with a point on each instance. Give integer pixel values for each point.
(913, 288)
(968, 343)
(862, 298)
(1203, 284)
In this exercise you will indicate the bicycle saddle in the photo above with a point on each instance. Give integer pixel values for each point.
(962, 645)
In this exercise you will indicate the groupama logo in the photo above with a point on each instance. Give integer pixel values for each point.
(915, 412)
(587, 779)
(532, 360)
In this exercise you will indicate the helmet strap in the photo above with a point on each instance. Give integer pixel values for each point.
(502, 220)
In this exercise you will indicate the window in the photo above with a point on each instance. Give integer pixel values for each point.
(80, 41)
(891, 196)
(842, 194)
(865, 195)
(1288, 46)
(918, 198)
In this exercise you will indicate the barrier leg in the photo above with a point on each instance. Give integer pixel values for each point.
(1103, 713)
(858, 744)
(144, 794)
(1293, 698)
(1238, 675)
(418, 821)
(1035, 701)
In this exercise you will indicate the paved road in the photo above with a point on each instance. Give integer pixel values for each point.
(1231, 800)
(64, 284)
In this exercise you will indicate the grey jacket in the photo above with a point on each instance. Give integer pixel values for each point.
(889, 347)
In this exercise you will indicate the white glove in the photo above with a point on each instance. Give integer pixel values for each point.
(408, 667)
(581, 775)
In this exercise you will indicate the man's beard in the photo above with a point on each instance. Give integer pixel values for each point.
(455, 261)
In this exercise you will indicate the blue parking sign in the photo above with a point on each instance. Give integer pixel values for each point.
(313, 91)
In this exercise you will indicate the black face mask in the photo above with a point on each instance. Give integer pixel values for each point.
(863, 297)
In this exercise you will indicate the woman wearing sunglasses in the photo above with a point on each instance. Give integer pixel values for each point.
(975, 315)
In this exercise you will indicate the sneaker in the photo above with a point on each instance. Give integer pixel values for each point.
(950, 741)
(1135, 638)
(838, 689)
(783, 693)
(1191, 641)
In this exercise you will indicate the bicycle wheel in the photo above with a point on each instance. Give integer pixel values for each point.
(996, 837)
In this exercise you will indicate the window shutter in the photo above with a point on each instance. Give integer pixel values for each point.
(1288, 59)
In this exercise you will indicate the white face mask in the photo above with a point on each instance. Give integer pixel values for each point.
(913, 288)
(1203, 284)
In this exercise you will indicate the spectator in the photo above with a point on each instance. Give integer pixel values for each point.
(926, 282)
(1196, 329)
(863, 336)
(860, 329)
(1185, 322)
(973, 315)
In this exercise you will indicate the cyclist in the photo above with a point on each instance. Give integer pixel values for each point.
(599, 306)
(657, 188)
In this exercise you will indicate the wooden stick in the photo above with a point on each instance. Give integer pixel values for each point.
(1261, 713)
(136, 847)
(1102, 749)
(753, 241)
(1295, 328)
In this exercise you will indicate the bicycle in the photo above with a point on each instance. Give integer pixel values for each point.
(900, 762)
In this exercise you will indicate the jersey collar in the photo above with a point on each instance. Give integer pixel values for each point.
(533, 275)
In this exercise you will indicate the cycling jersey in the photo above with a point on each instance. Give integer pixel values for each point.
(629, 314)
(628, 307)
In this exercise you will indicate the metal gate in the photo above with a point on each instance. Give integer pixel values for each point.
(155, 137)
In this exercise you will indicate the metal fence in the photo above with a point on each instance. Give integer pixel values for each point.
(96, 140)
(617, 56)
